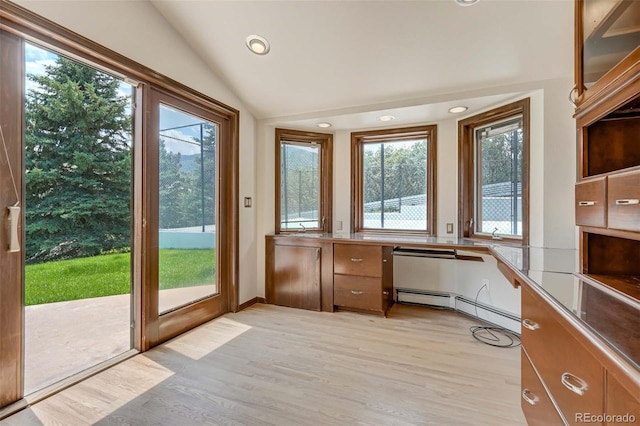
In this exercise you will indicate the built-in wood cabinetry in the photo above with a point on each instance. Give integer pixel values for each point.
(608, 129)
(363, 277)
(565, 361)
(296, 273)
(323, 275)
(607, 36)
(570, 377)
(571, 373)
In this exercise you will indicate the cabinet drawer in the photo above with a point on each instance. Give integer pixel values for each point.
(573, 376)
(536, 404)
(624, 201)
(354, 259)
(357, 292)
(591, 202)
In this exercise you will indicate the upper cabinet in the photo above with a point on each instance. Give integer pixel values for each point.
(607, 46)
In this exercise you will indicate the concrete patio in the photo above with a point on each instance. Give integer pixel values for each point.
(65, 338)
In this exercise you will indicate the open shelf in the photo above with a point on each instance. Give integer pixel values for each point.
(628, 285)
(613, 142)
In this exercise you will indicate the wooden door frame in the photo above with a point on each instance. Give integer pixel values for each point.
(11, 272)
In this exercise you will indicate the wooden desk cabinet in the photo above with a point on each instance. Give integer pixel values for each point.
(363, 277)
(568, 378)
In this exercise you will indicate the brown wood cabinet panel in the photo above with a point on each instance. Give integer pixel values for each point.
(622, 401)
(387, 277)
(591, 202)
(536, 403)
(357, 292)
(614, 319)
(296, 277)
(610, 255)
(356, 259)
(612, 144)
(624, 200)
(573, 375)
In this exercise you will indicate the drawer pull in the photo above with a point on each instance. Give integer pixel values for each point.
(357, 292)
(574, 383)
(356, 259)
(627, 202)
(530, 325)
(530, 397)
(386, 293)
(586, 203)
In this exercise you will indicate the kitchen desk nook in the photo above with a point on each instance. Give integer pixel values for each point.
(580, 345)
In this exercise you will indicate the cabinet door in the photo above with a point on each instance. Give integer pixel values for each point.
(623, 405)
(296, 277)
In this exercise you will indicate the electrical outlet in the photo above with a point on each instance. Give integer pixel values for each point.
(338, 225)
(485, 282)
(449, 228)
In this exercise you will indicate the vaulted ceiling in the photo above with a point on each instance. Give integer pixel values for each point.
(336, 58)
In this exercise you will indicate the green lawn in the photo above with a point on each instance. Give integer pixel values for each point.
(109, 274)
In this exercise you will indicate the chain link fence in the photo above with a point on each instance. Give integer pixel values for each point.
(299, 186)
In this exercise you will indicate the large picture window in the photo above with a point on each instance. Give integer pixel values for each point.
(393, 180)
(494, 149)
(303, 181)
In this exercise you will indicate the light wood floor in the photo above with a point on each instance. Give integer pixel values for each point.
(281, 366)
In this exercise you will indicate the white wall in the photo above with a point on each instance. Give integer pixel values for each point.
(137, 30)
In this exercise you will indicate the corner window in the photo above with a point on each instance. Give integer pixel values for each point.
(393, 180)
(303, 181)
(494, 175)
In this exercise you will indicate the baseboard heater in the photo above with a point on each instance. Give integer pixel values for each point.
(461, 304)
(434, 254)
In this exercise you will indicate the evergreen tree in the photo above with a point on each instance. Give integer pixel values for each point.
(78, 164)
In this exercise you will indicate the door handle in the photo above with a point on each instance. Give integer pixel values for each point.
(627, 202)
(586, 203)
(14, 220)
(574, 383)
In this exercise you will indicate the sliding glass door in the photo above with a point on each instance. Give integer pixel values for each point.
(183, 215)
(118, 206)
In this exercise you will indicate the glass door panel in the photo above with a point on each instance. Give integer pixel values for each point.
(187, 209)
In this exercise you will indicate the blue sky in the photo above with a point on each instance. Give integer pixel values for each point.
(37, 58)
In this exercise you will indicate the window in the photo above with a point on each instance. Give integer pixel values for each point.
(393, 180)
(303, 181)
(494, 173)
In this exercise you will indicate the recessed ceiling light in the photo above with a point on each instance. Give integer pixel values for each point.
(466, 2)
(324, 125)
(458, 109)
(386, 117)
(258, 45)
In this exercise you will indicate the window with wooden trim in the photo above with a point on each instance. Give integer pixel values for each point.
(494, 173)
(394, 180)
(303, 181)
